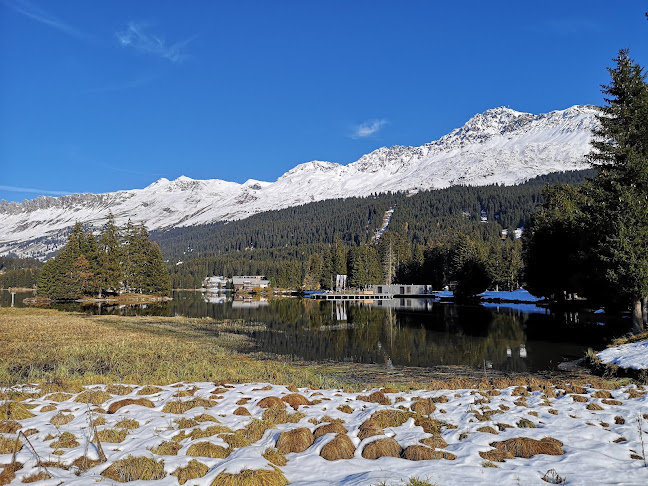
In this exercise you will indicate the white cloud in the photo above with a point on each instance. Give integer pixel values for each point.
(35, 13)
(36, 191)
(368, 128)
(135, 36)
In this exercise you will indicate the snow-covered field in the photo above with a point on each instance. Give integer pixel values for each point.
(631, 355)
(599, 433)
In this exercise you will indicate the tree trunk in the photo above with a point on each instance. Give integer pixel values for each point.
(645, 312)
(637, 317)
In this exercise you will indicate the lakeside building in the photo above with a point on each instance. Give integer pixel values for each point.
(249, 282)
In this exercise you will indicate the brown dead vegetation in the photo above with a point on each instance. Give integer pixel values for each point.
(194, 470)
(436, 442)
(369, 428)
(134, 469)
(179, 407)
(296, 440)
(167, 448)
(242, 411)
(61, 419)
(251, 477)
(609, 401)
(386, 447)
(149, 390)
(275, 457)
(208, 449)
(11, 410)
(376, 397)
(422, 453)
(9, 426)
(271, 402)
(334, 428)
(118, 389)
(340, 447)
(143, 402)
(295, 400)
(423, 406)
(522, 447)
(95, 397)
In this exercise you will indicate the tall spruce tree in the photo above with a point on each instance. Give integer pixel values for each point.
(619, 192)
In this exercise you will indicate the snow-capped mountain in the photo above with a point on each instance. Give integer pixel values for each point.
(498, 146)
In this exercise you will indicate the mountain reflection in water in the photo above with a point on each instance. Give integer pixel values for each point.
(407, 332)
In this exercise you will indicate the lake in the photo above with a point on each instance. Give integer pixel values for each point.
(397, 332)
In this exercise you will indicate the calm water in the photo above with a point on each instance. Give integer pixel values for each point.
(410, 332)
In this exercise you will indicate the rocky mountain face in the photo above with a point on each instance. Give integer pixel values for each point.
(498, 146)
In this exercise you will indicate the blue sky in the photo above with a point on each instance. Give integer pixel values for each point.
(98, 96)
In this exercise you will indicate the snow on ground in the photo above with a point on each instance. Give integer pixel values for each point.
(598, 430)
(631, 355)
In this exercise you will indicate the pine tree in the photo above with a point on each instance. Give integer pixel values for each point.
(109, 273)
(619, 192)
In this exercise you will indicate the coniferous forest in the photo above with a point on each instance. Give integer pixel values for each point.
(118, 260)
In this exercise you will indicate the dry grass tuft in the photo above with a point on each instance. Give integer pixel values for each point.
(487, 430)
(296, 440)
(251, 477)
(193, 470)
(431, 426)
(186, 393)
(84, 463)
(609, 401)
(242, 411)
(579, 398)
(553, 411)
(167, 448)
(334, 428)
(634, 393)
(9, 426)
(593, 406)
(117, 389)
(58, 397)
(209, 431)
(207, 449)
(345, 408)
(619, 420)
(128, 424)
(134, 469)
(271, 402)
(66, 440)
(61, 419)
(47, 408)
(423, 406)
(9, 446)
(14, 411)
(114, 436)
(256, 428)
(422, 453)
(149, 390)
(435, 442)
(391, 418)
(243, 401)
(95, 397)
(524, 423)
(387, 447)
(275, 457)
(205, 417)
(295, 400)
(143, 402)
(179, 407)
(341, 447)
(37, 476)
(601, 394)
(369, 428)
(376, 397)
(522, 447)
(186, 423)
(236, 440)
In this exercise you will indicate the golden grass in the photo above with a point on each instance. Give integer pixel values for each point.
(8, 473)
(487, 430)
(128, 424)
(66, 440)
(423, 406)
(422, 453)
(601, 394)
(251, 477)
(387, 447)
(61, 419)
(275, 457)
(579, 398)
(142, 402)
(47, 408)
(114, 436)
(37, 476)
(369, 428)
(345, 408)
(205, 417)
(9, 426)
(334, 428)
(296, 440)
(281, 416)
(118, 389)
(391, 418)
(256, 428)
(207, 449)
(610, 401)
(14, 411)
(436, 442)
(95, 397)
(271, 402)
(593, 406)
(522, 447)
(376, 397)
(58, 397)
(167, 448)
(149, 390)
(134, 469)
(194, 470)
(9, 446)
(186, 423)
(295, 400)
(179, 407)
(524, 423)
(236, 440)
(242, 411)
(341, 447)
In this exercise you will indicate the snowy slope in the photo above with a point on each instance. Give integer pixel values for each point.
(498, 146)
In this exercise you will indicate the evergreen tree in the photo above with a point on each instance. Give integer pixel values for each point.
(619, 192)
(108, 273)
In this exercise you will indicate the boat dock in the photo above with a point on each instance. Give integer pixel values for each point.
(335, 296)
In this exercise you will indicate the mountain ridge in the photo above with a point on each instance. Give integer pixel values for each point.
(500, 145)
